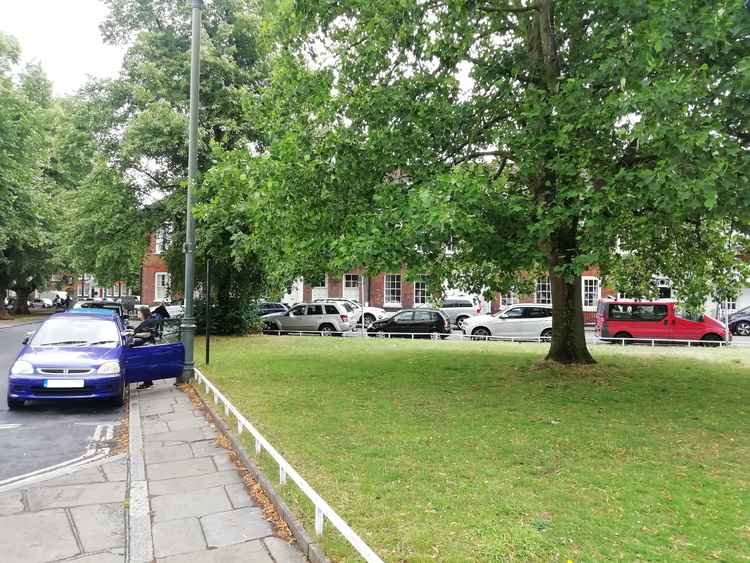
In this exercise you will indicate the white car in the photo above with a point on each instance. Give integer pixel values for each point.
(371, 314)
(524, 321)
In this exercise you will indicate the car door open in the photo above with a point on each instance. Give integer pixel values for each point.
(153, 361)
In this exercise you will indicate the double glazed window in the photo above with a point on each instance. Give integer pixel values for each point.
(161, 289)
(591, 293)
(543, 292)
(420, 290)
(510, 298)
(392, 289)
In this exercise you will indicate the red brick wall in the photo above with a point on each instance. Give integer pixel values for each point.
(377, 284)
(335, 285)
(152, 263)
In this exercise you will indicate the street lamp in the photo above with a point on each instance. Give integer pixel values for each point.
(188, 321)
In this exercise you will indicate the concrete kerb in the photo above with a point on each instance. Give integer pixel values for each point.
(140, 543)
(311, 549)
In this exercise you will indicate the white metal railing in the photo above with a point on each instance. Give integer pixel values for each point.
(489, 338)
(322, 509)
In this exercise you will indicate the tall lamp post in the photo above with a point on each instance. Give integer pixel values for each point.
(188, 321)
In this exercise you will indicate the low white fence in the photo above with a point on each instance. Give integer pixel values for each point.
(538, 339)
(322, 509)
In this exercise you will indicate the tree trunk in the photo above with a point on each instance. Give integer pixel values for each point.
(568, 336)
(21, 307)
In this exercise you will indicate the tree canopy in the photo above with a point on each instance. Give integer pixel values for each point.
(482, 143)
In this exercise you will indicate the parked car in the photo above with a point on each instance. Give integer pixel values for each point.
(422, 321)
(87, 355)
(268, 307)
(326, 318)
(458, 309)
(524, 321)
(41, 303)
(100, 304)
(371, 314)
(654, 320)
(739, 322)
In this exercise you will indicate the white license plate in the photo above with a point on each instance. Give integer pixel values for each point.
(63, 383)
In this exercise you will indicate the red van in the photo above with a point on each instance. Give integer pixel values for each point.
(654, 320)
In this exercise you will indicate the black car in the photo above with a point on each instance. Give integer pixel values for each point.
(422, 322)
(739, 322)
(268, 307)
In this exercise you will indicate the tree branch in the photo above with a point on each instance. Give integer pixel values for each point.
(509, 9)
(505, 154)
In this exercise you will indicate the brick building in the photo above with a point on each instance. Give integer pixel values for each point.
(392, 291)
(155, 276)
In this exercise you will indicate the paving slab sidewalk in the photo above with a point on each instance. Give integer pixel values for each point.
(189, 499)
(76, 517)
(200, 510)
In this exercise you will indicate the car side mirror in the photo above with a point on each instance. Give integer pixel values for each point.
(701, 318)
(27, 338)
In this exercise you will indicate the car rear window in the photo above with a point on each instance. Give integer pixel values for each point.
(423, 315)
(331, 310)
(637, 312)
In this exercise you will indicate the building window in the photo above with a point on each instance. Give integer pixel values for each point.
(351, 281)
(663, 286)
(420, 290)
(163, 238)
(592, 291)
(543, 293)
(161, 288)
(729, 306)
(392, 289)
(508, 299)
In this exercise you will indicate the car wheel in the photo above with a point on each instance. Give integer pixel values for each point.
(480, 333)
(546, 335)
(369, 319)
(460, 320)
(711, 340)
(120, 399)
(326, 330)
(15, 404)
(742, 328)
(620, 335)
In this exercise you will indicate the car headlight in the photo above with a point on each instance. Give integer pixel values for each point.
(109, 368)
(22, 367)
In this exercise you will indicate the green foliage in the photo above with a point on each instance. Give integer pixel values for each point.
(228, 317)
(548, 138)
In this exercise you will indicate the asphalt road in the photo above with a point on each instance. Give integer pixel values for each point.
(42, 434)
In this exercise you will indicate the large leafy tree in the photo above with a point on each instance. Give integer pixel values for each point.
(485, 141)
(140, 119)
(29, 242)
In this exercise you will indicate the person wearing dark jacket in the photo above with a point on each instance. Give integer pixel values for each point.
(146, 332)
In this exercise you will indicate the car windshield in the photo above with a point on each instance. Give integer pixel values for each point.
(77, 332)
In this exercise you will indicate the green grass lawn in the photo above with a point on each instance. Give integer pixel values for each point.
(449, 451)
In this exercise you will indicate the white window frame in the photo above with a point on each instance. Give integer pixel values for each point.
(508, 299)
(347, 281)
(543, 286)
(598, 281)
(386, 290)
(421, 296)
(157, 286)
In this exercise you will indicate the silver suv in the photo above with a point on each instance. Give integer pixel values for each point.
(325, 318)
(458, 309)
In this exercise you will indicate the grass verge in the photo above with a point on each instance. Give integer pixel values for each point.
(483, 452)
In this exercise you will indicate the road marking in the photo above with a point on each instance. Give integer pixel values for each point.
(9, 426)
(98, 448)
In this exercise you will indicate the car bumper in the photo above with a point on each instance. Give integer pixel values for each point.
(31, 388)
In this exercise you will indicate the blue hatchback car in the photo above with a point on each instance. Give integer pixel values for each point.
(87, 354)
